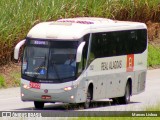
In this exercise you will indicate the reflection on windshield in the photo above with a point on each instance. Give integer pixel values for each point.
(49, 63)
(61, 63)
(35, 62)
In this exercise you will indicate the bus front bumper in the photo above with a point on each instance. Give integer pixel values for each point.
(67, 95)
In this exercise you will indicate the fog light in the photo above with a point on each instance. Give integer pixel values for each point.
(72, 97)
(22, 94)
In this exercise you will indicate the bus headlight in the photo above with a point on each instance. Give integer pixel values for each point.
(67, 88)
(26, 86)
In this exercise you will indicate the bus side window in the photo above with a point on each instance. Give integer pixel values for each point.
(140, 42)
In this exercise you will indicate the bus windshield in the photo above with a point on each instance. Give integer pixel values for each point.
(54, 62)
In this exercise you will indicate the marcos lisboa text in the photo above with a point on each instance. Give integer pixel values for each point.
(144, 114)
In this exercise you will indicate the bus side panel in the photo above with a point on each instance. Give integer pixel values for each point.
(99, 88)
(110, 85)
(140, 80)
(117, 83)
(140, 72)
(81, 90)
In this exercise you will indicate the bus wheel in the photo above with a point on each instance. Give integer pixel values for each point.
(39, 105)
(88, 99)
(126, 98)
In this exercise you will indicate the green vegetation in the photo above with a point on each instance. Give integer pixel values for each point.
(153, 55)
(117, 118)
(149, 109)
(10, 76)
(18, 16)
(153, 108)
(16, 78)
(10, 80)
(2, 81)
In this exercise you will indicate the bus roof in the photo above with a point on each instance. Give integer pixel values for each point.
(75, 28)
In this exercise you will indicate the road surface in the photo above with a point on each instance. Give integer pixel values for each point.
(10, 99)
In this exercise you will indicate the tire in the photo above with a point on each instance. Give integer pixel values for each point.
(126, 98)
(39, 105)
(88, 99)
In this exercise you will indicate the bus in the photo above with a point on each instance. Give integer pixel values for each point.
(109, 61)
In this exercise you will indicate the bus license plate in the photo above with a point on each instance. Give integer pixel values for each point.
(46, 97)
(35, 85)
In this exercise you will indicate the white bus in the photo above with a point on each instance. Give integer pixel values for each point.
(110, 61)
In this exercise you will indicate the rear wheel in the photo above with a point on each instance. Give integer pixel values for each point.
(126, 98)
(88, 99)
(39, 105)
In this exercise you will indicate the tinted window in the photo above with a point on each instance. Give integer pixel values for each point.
(118, 43)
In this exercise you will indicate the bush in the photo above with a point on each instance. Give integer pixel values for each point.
(2, 81)
(153, 56)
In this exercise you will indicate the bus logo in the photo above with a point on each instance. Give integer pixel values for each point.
(130, 63)
(45, 91)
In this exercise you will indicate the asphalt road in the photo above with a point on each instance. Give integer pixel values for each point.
(10, 99)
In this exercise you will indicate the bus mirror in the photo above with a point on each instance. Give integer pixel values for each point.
(79, 52)
(17, 48)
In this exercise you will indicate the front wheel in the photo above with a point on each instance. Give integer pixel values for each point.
(88, 99)
(39, 105)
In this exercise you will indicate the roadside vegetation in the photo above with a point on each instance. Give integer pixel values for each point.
(19, 16)
(153, 56)
(149, 109)
(2, 81)
(117, 118)
(153, 108)
(10, 75)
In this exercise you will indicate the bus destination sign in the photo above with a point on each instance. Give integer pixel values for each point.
(38, 42)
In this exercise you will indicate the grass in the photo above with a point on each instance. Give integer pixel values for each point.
(150, 109)
(10, 75)
(2, 81)
(16, 78)
(117, 118)
(18, 16)
(153, 108)
(153, 55)
(12, 80)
